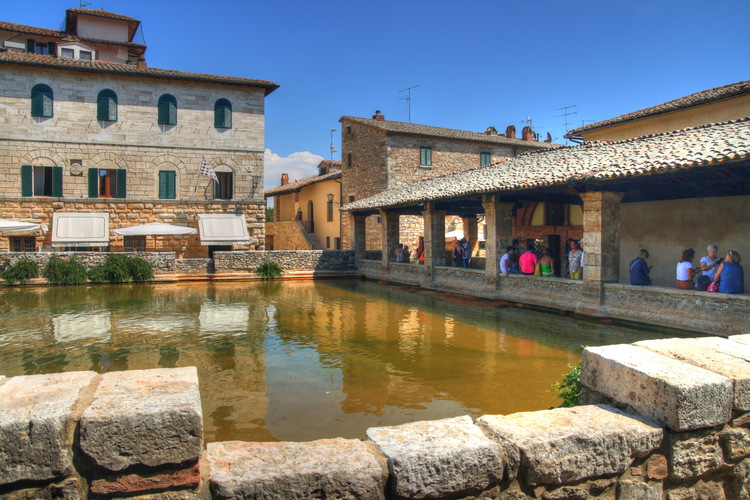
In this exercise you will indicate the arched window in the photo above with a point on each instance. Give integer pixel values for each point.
(106, 106)
(167, 110)
(41, 101)
(223, 114)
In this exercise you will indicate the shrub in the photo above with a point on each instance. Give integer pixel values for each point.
(570, 387)
(62, 272)
(20, 272)
(121, 268)
(140, 270)
(269, 271)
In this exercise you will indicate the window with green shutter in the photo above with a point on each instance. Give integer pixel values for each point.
(107, 183)
(41, 181)
(42, 101)
(167, 185)
(106, 106)
(425, 156)
(485, 159)
(223, 114)
(167, 110)
(27, 180)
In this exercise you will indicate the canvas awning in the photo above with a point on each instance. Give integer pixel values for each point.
(90, 229)
(223, 229)
(154, 229)
(14, 225)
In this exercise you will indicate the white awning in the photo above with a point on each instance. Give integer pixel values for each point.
(223, 229)
(89, 229)
(154, 229)
(14, 225)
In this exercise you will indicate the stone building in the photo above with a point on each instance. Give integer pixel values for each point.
(378, 155)
(306, 212)
(93, 140)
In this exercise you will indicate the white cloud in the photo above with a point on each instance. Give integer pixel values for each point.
(297, 165)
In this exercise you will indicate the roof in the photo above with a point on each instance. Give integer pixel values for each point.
(104, 13)
(706, 145)
(297, 185)
(33, 30)
(446, 133)
(45, 61)
(697, 99)
(71, 20)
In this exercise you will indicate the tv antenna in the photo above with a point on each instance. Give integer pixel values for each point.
(408, 98)
(83, 5)
(566, 113)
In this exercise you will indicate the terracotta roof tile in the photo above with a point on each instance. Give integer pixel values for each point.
(694, 147)
(32, 30)
(104, 13)
(702, 97)
(28, 59)
(299, 184)
(448, 133)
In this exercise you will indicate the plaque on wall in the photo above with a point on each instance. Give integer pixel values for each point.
(76, 169)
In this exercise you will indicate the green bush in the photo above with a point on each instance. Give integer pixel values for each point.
(20, 272)
(269, 271)
(62, 272)
(140, 270)
(121, 268)
(570, 387)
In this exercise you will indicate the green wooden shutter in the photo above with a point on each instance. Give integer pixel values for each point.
(121, 183)
(27, 181)
(167, 185)
(93, 183)
(37, 100)
(30, 45)
(219, 117)
(101, 108)
(52, 48)
(57, 182)
(163, 184)
(163, 113)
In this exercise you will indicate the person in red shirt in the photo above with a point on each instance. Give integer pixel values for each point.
(528, 261)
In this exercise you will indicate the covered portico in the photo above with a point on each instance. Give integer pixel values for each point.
(703, 171)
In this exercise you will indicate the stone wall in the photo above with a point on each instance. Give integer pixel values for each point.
(288, 260)
(162, 262)
(287, 235)
(662, 419)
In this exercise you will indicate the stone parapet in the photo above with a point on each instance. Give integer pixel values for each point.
(288, 260)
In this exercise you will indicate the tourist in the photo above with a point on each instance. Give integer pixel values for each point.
(685, 270)
(574, 261)
(528, 261)
(466, 251)
(639, 270)
(729, 275)
(506, 262)
(420, 251)
(400, 253)
(547, 264)
(568, 249)
(710, 263)
(457, 255)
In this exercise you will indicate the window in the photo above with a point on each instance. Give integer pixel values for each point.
(107, 183)
(85, 55)
(167, 185)
(106, 106)
(425, 156)
(349, 160)
(41, 101)
(68, 53)
(329, 210)
(337, 243)
(22, 244)
(223, 188)
(41, 181)
(485, 159)
(223, 114)
(41, 48)
(167, 110)
(134, 243)
(328, 242)
(555, 214)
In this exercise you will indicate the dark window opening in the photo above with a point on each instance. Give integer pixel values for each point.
(223, 188)
(135, 243)
(22, 244)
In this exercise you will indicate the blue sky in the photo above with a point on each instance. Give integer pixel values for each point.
(477, 63)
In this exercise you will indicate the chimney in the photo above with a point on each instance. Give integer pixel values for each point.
(491, 131)
(141, 64)
(378, 116)
(510, 132)
(527, 134)
(284, 179)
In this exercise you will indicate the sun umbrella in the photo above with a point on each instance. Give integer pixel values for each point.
(154, 229)
(14, 225)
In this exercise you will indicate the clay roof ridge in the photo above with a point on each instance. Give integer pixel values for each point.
(300, 183)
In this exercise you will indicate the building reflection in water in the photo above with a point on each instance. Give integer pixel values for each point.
(304, 360)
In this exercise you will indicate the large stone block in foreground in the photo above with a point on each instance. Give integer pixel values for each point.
(328, 468)
(672, 393)
(565, 445)
(438, 458)
(37, 418)
(713, 354)
(144, 417)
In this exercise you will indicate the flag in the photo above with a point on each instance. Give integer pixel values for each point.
(207, 171)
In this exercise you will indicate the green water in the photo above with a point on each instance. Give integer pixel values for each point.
(297, 361)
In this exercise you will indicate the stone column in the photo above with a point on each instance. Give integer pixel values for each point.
(499, 219)
(471, 232)
(359, 237)
(390, 228)
(434, 237)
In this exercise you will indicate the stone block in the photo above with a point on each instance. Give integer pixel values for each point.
(37, 419)
(145, 481)
(736, 443)
(638, 490)
(438, 458)
(570, 444)
(743, 339)
(144, 417)
(327, 468)
(670, 392)
(694, 453)
(711, 354)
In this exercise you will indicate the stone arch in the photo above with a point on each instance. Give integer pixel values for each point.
(168, 159)
(528, 212)
(43, 158)
(108, 160)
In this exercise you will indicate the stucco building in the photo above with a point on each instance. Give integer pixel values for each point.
(378, 155)
(92, 140)
(306, 212)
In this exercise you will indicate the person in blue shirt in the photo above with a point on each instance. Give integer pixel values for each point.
(730, 275)
(639, 270)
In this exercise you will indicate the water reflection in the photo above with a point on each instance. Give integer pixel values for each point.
(304, 360)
